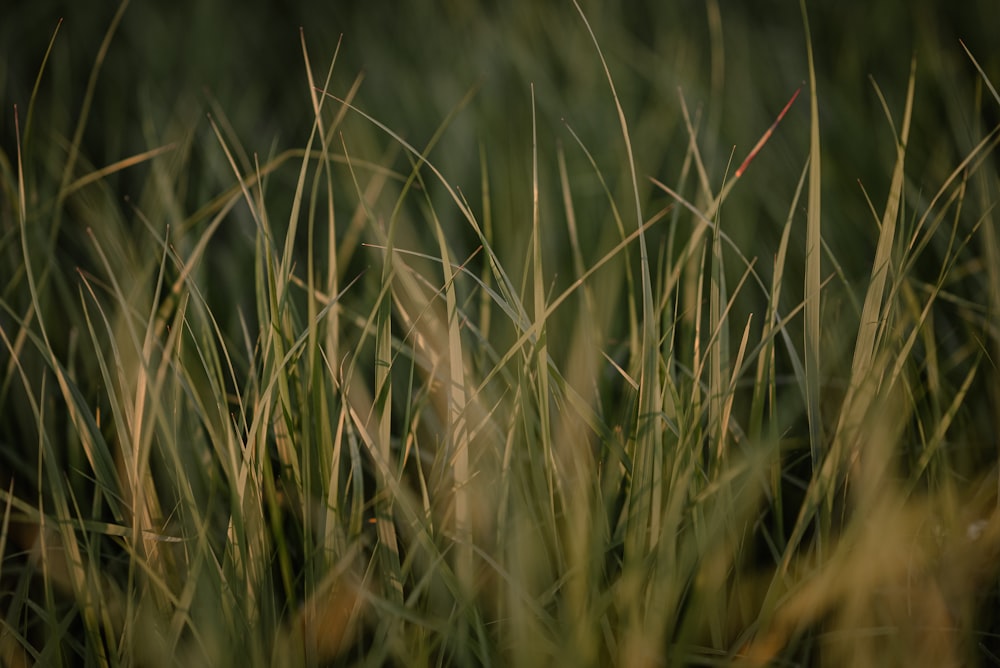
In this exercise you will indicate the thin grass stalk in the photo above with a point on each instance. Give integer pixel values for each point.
(813, 257)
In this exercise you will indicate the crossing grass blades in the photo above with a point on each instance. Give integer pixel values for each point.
(365, 435)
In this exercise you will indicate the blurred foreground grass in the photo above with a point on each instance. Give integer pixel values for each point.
(448, 345)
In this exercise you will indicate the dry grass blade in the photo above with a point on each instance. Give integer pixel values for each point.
(986, 79)
(813, 257)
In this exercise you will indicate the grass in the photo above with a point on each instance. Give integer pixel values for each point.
(371, 400)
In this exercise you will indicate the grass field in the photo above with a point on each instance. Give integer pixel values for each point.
(534, 334)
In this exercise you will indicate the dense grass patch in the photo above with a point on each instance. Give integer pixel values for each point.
(544, 373)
